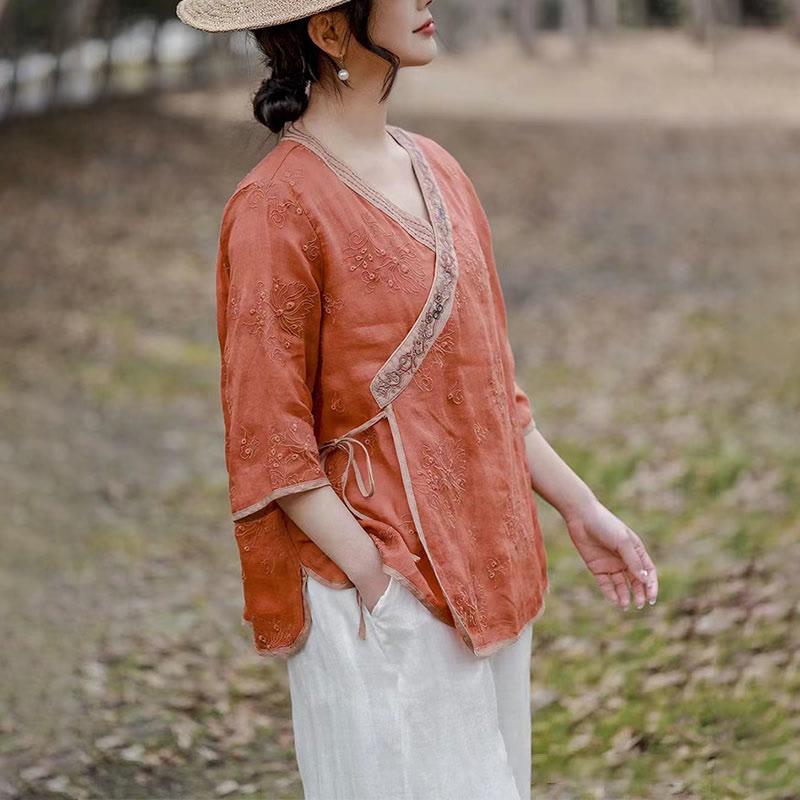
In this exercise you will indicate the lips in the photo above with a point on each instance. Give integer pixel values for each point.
(424, 25)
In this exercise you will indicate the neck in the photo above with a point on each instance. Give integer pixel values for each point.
(356, 122)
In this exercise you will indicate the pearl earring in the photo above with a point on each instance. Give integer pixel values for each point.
(342, 73)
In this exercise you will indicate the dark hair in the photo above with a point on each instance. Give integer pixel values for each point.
(295, 61)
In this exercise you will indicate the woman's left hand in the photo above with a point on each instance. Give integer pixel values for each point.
(613, 552)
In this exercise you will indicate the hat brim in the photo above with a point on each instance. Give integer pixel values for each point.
(227, 16)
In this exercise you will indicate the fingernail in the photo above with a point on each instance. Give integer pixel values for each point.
(640, 607)
(652, 602)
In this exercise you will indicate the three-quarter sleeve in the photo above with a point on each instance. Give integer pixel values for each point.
(268, 315)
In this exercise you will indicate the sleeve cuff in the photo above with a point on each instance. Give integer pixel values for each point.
(282, 491)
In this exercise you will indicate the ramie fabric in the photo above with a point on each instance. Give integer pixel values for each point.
(366, 348)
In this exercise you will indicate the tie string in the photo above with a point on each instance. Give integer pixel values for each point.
(347, 444)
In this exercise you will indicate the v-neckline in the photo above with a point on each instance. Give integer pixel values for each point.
(398, 370)
(420, 228)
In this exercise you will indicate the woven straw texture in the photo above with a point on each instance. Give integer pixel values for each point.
(223, 16)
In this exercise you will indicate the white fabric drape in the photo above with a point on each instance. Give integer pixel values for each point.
(409, 713)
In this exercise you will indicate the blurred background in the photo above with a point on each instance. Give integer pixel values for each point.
(639, 162)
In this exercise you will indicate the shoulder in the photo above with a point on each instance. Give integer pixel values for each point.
(279, 184)
(290, 183)
(265, 222)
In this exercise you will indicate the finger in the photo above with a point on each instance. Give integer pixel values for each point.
(607, 587)
(630, 552)
(621, 585)
(640, 564)
(651, 579)
(651, 583)
(637, 587)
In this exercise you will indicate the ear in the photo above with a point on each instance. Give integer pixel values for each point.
(327, 30)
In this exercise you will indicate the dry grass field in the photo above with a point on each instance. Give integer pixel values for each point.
(644, 207)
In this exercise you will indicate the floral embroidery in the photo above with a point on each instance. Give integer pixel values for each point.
(444, 475)
(311, 248)
(331, 305)
(286, 307)
(246, 530)
(287, 449)
(459, 300)
(248, 444)
(423, 378)
(495, 569)
(234, 298)
(497, 390)
(471, 258)
(335, 466)
(273, 554)
(480, 432)
(262, 545)
(276, 209)
(511, 519)
(291, 303)
(407, 525)
(375, 228)
(369, 440)
(455, 394)
(444, 345)
(466, 607)
(272, 636)
(290, 175)
(396, 268)
(336, 403)
(396, 373)
(360, 251)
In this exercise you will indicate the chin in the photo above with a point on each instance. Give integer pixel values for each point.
(420, 59)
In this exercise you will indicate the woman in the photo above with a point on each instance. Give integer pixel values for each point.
(368, 386)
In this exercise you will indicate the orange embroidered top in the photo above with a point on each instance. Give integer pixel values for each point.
(367, 348)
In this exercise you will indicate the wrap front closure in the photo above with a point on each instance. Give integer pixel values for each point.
(347, 443)
(398, 370)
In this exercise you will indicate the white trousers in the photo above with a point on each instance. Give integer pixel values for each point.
(409, 713)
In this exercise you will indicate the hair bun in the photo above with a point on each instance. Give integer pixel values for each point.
(280, 99)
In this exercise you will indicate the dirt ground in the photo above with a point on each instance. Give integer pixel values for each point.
(646, 232)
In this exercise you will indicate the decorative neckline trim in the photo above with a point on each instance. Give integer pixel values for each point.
(416, 226)
(400, 367)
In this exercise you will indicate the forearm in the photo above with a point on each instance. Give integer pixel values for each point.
(327, 521)
(553, 479)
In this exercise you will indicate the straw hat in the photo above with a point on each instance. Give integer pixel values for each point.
(223, 16)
